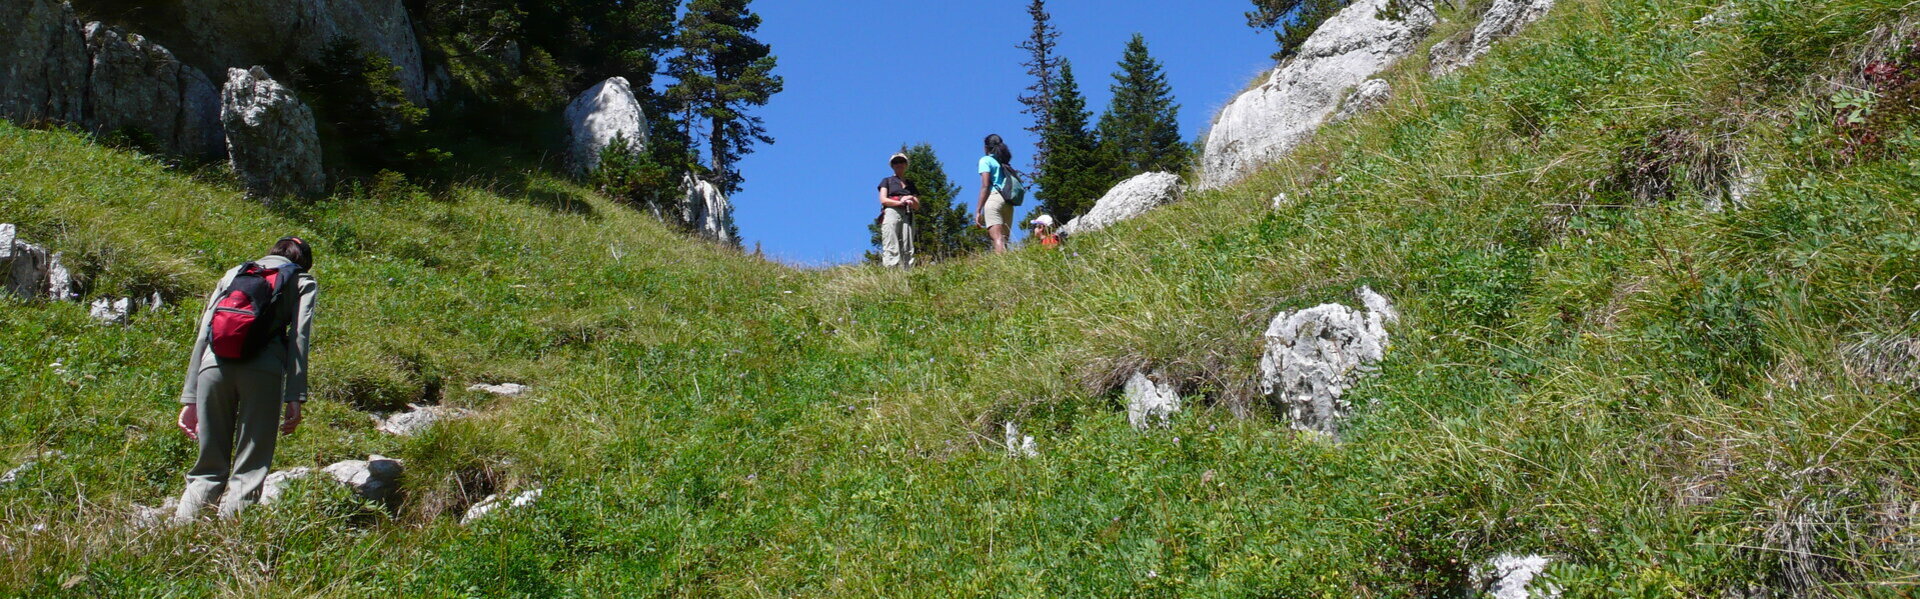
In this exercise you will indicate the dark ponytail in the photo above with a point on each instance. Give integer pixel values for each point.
(997, 148)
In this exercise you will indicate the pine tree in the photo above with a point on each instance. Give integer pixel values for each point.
(1141, 128)
(720, 73)
(1076, 173)
(1292, 21)
(942, 228)
(1042, 65)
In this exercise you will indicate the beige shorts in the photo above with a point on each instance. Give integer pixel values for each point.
(998, 212)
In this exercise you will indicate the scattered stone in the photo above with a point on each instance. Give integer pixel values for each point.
(1370, 95)
(43, 62)
(495, 502)
(407, 424)
(1265, 123)
(1018, 445)
(154, 302)
(270, 136)
(1504, 19)
(29, 267)
(107, 310)
(707, 210)
(1129, 199)
(502, 389)
(605, 111)
(376, 478)
(1512, 577)
(154, 517)
(12, 476)
(1150, 404)
(276, 485)
(1280, 201)
(59, 281)
(1313, 356)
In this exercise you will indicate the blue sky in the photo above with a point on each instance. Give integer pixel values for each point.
(865, 76)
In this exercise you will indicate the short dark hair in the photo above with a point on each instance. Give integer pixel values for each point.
(294, 249)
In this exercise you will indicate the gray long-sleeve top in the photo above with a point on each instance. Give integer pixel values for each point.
(287, 356)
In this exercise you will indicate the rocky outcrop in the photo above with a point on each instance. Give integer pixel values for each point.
(31, 272)
(1372, 94)
(1129, 199)
(597, 116)
(707, 210)
(43, 62)
(1504, 19)
(494, 502)
(1018, 445)
(376, 478)
(1512, 577)
(1314, 355)
(270, 136)
(413, 422)
(1150, 404)
(1265, 123)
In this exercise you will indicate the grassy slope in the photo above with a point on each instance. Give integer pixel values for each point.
(1652, 390)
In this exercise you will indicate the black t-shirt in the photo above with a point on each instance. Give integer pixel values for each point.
(897, 187)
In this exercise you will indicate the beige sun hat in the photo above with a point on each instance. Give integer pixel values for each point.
(900, 158)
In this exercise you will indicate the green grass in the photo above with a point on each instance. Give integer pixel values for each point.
(1656, 393)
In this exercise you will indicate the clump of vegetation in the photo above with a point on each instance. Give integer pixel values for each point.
(365, 120)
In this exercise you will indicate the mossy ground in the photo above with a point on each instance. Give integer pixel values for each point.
(1592, 364)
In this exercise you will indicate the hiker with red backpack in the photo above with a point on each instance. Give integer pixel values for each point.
(249, 358)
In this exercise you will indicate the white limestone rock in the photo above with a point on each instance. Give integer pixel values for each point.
(502, 389)
(410, 423)
(1504, 19)
(43, 62)
(494, 502)
(13, 475)
(1314, 355)
(1018, 445)
(153, 517)
(1131, 198)
(707, 210)
(1150, 404)
(376, 478)
(1372, 94)
(597, 116)
(270, 136)
(111, 311)
(1265, 123)
(60, 286)
(276, 485)
(1512, 577)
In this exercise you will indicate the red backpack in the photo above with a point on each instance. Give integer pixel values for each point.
(247, 314)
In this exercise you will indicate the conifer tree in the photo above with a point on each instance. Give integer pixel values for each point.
(1042, 64)
(1076, 173)
(721, 71)
(1141, 128)
(1292, 21)
(942, 228)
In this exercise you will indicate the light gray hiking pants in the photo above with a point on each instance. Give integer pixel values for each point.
(239, 424)
(896, 238)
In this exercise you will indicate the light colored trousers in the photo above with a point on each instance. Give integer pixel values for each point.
(896, 238)
(239, 424)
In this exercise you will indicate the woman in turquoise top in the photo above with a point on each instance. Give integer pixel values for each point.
(993, 213)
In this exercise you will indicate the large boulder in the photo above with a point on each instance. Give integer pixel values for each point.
(605, 111)
(1265, 123)
(1314, 355)
(137, 85)
(1127, 200)
(707, 210)
(270, 136)
(1504, 19)
(25, 269)
(43, 62)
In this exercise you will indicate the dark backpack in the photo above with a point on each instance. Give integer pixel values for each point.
(248, 314)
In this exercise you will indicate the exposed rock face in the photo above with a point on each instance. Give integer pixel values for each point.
(135, 84)
(1313, 356)
(1265, 123)
(1131, 198)
(1150, 404)
(25, 269)
(43, 62)
(1372, 94)
(597, 116)
(270, 136)
(111, 311)
(376, 478)
(1511, 577)
(407, 424)
(495, 502)
(707, 210)
(1503, 19)
(502, 389)
(1018, 445)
